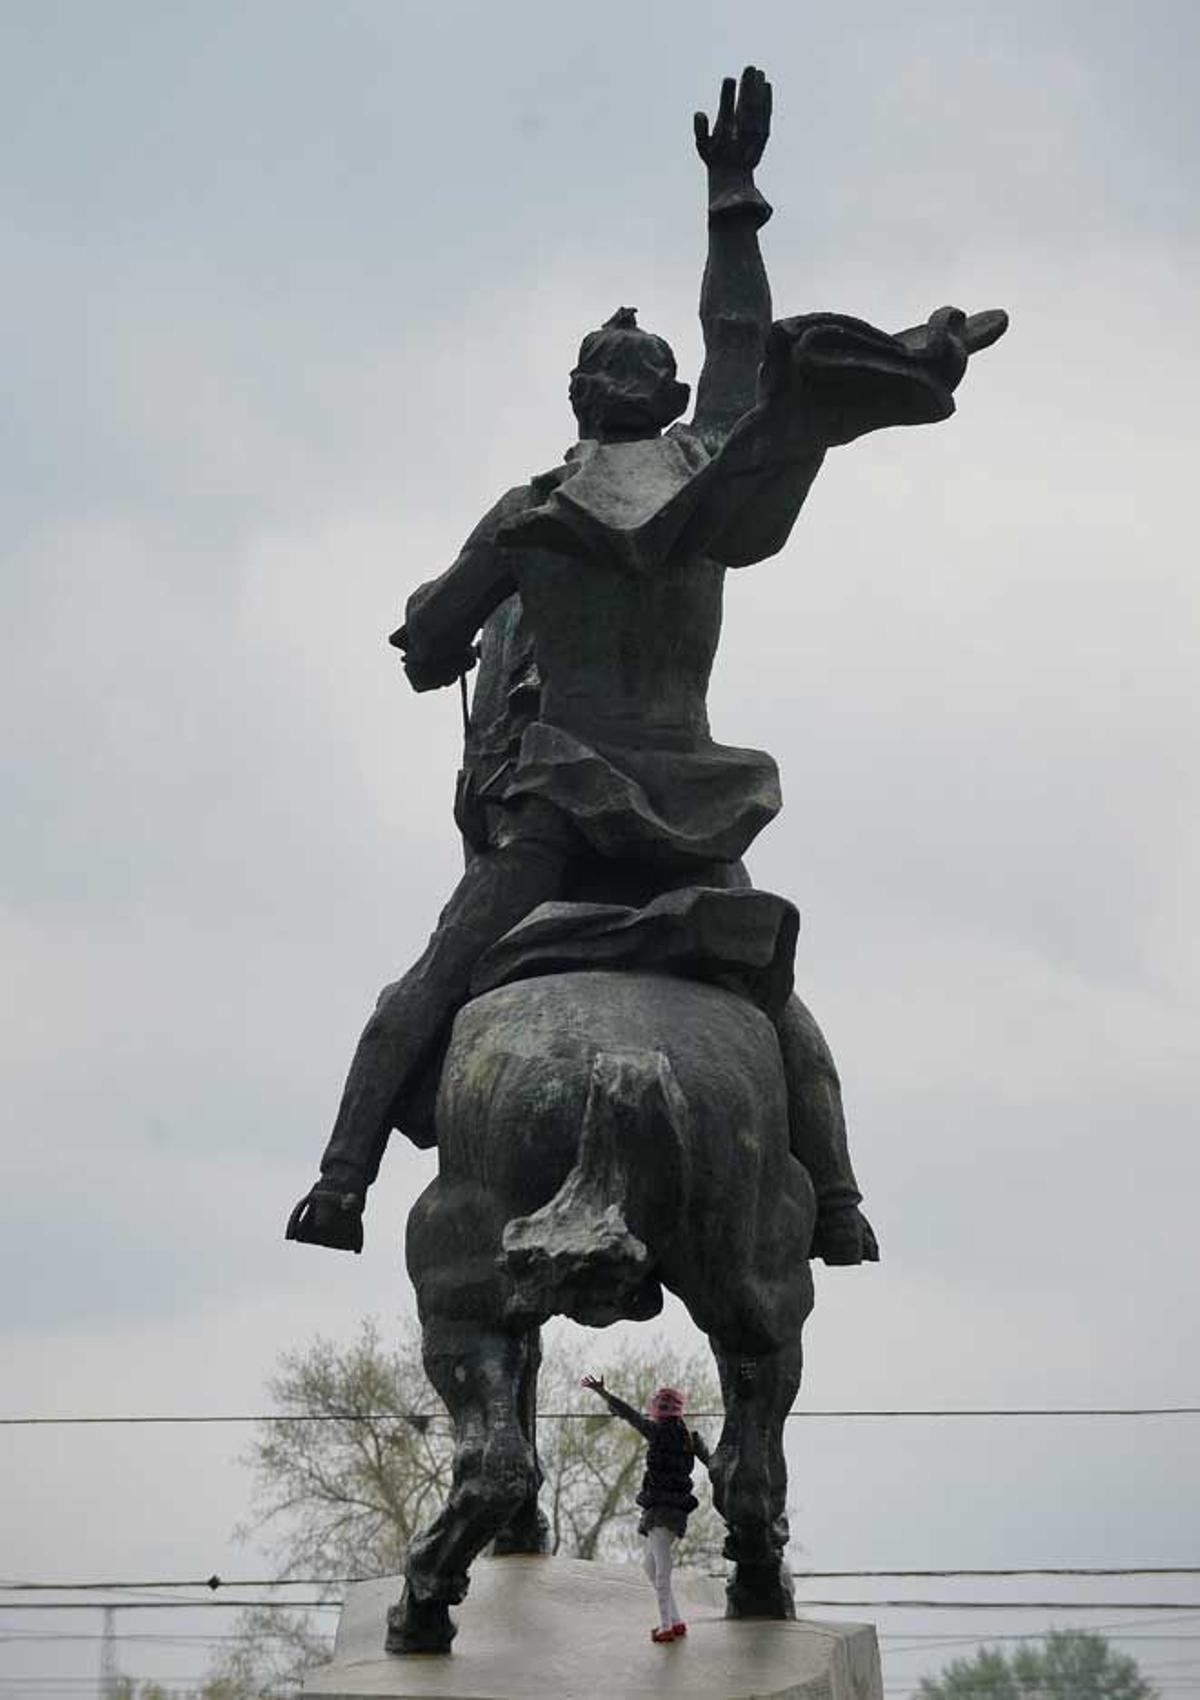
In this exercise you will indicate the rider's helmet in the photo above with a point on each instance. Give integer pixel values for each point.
(624, 381)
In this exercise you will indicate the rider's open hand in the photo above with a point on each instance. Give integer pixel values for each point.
(594, 1383)
(743, 123)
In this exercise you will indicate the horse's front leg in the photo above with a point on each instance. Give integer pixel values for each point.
(485, 1373)
(749, 1477)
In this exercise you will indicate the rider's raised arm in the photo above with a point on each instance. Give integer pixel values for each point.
(735, 296)
(442, 617)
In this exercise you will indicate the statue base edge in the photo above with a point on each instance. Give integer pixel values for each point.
(538, 1628)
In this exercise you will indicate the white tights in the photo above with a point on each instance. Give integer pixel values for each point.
(660, 1558)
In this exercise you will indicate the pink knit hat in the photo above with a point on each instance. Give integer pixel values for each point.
(667, 1402)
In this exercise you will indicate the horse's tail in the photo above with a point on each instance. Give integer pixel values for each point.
(635, 1139)
(589, 1253)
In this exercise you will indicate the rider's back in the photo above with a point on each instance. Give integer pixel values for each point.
(624, 656)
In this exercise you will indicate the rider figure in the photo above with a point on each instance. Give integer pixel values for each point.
(601, 771)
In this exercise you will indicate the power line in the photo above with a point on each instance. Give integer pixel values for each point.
(927, 1642)
(214, 1582)
(422, 1419)
(983, 1686)
(1039, 1570)
(914, 1643)
(45, 1637)
(176, 1605)
(1192, 1606)
(1013, 1605)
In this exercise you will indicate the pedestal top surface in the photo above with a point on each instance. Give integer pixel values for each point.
(554, 1629)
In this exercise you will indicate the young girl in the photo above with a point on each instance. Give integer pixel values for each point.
(666, 1495)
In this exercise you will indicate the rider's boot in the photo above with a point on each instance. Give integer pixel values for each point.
(843, 1235)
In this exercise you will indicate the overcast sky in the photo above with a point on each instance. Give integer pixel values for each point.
(293, 290)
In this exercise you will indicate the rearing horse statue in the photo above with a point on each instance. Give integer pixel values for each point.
(601, 1036)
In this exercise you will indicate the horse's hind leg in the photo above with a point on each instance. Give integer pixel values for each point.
(478, 1374)
(749, 1477)
(484, 1373)
(526, 1529)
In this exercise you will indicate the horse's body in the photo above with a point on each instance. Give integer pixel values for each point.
(602, 1135)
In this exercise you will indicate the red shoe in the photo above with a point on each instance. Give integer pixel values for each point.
(661, 1635)
(679, 1630)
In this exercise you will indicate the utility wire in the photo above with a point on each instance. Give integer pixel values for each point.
(890, 1605)
(178, 1605)
(214, 1583)
(1013, 1605)
(930, 1642)
(422, 1419)
(913, 1644)
(1040, 1570)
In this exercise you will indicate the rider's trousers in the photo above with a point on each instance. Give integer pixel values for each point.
(498, 889)
(531, 864)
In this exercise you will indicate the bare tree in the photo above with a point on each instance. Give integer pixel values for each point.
(268, 1658)
(359, 1458)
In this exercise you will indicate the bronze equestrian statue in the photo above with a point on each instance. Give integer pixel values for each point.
(601, 1036)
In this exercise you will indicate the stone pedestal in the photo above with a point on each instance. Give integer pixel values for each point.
(556, 1629)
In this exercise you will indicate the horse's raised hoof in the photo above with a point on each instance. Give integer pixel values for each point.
(760, 1591)
(419, 1626)
(326, 1217)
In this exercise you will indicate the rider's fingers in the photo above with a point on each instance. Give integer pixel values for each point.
(725, 108)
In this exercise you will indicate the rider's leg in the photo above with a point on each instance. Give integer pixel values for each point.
(817, 1127)
(816, 1117)
(498, 889)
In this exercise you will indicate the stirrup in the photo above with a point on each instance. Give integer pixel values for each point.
(328, 1218)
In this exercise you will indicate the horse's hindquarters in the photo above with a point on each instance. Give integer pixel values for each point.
(603, 1104)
